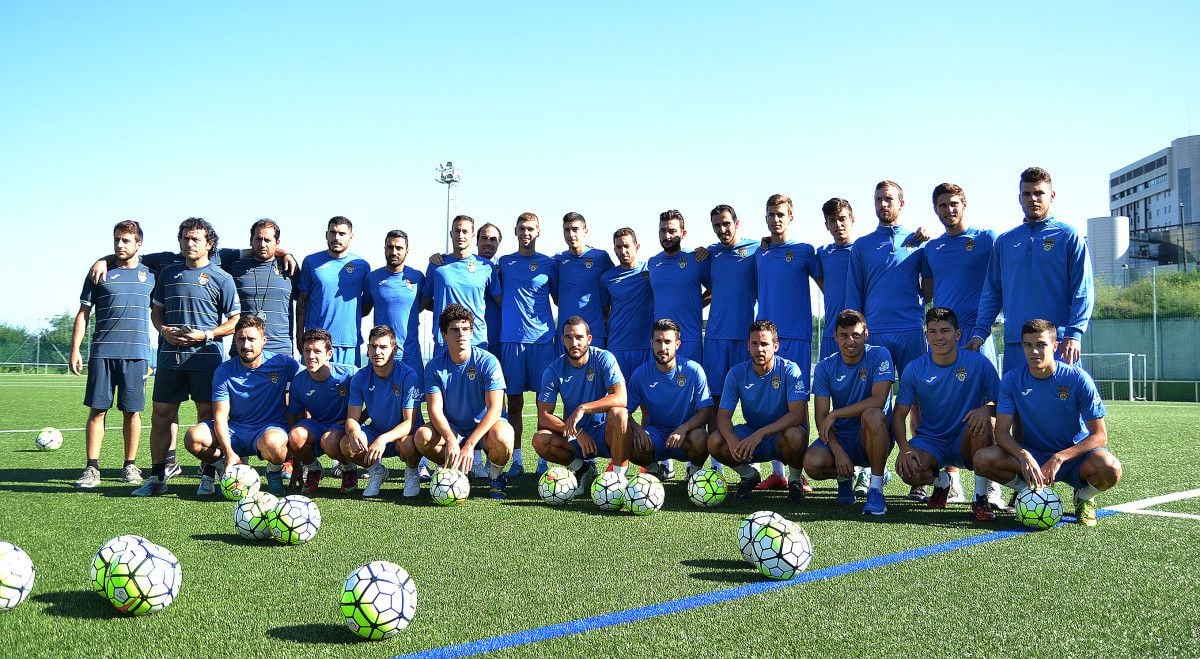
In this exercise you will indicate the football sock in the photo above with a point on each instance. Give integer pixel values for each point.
(128, 463)
(575, 465)
(794, 473)
(843, 480)
(620, 471)
(942, 479)
(517, 456)
(410, 472)
(96, 463)
(777, 468)
(159, 470)
(981, 485)
(1087, 491)
(208, 470)
(955, 479)
(1017, 483)
(746, 471)
(494, 470)
(876, 482)
(272, 468)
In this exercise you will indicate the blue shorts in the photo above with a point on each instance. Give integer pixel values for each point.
(174, 386)
(658, 437)
(349, 355)
(523, 365)
(851, 443)
(799, 351)
(596, 432)
(829, 346)
(127, 376)
(373, 433)
(629, 360)
(719, 356)
(692, 349)
(1068, 472)
(904, 346)
(243, 439)
(316, 430)
(947, 453)
(767, 449)
(461, 430)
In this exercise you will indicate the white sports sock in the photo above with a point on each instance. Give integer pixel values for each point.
(876, 482)
(494, 470)
(620, 471)
(955, 479)
(942, 479)
(1087, 492)
(575, 465)
(517, 456)
(1017, 483)
(981, 486)
(746, 471)
(795, 473)
(777, 468)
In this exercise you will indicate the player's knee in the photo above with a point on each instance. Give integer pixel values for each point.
(541, 442)
(197, 438)
(873, 419)
(617, 417)
(1107, 470)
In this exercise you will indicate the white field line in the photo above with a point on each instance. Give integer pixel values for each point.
(1141, 506)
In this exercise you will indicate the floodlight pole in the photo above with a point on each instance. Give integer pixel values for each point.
(448, 175)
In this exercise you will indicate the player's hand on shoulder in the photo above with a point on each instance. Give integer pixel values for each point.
(974, 344)
(99, 271)
(917, 237)
(435, 259)
(701, 254)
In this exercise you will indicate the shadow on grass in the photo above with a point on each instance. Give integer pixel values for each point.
(314, 633)
(233, 539)
(715, 563)
(746, 574)
(81, 604)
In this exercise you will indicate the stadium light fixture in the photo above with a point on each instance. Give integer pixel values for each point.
(448, 175)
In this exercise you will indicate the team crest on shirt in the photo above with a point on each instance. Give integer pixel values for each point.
(742, 251)
(1062, 393)
(961, 374)
(1047, 244)
(682, 262)
(680, 380)
(470, 266)
(970, 244)
(142, 276)
(350, 268)
(588, 263)
(472, 373)
(775, 382)
(862, 374)
(789, 255)
(590, 375)
(645, 274)
(274, 377)
(342, 390)
(396, 390)
(203, 279)
(410, 283)
(533, 267)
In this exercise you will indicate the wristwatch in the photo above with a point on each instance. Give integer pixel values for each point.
(208, 336)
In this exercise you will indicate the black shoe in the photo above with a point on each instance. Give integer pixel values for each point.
(746, 486)
(796, 490)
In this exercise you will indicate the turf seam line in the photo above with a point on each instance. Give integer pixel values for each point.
(604, 620)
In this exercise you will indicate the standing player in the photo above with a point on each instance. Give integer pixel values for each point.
(1043, 254)
(957, 392)
(389, 393)
(734, 293)
(394, 292)
(487, 245)
(579, 270)
(593, 396)
(853, 392)
(1062, 425)
(331, 292)
(249, 402)
(784, 266)
(317, 408)
(463, 389)
(676, 405)
(834, 259)
(528, 280)
(774, 398)
(264, 284)
(461, 278)
(628, 303)
(681, 282)
(189, 300)
(120, 351)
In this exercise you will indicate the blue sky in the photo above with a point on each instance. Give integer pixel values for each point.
(300, 111)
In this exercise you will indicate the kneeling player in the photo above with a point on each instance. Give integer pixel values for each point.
(774, 397)
(391, 393)
(1061, 417)
(317, 406)
(249, 394)
(853, 390)
(464, 391)
(593, 397)
(956, 391)
(676, 405)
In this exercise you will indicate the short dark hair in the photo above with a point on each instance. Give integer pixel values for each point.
(452, 314)
(1039, 325)
(577, 320)
(850, 318)
(262, 223)
(199, 223)
(128, 226)
(834, 205)
(381, 330)
(950, 189)
(463, 218)
(574, 217)
(887, 183)
(315, 335)
(249, 320)
(723, 208)
(339, 220)
(624, 231)
(396, 233)
(668, 215)
(485, 227)
(665, 325)
(764, 325)
(1036, 175)
(941, 314)
(777, 199)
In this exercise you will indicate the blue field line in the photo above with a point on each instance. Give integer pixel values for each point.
(705, 599)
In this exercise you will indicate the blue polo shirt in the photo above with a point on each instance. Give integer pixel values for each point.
(579, 288)
(678, 282)
(579, 385)
(734, 289)
(335, 295)
(846, 384)
(468, 281)
(324, 401)
(396, 298)
(764, 398)
(783, 295)
(668, 399)
(885, 281)
(958, 265)
(121, 309)
(256, 396)
(528, 283)
(463, 387)
(1052, 411)
(630, 302)
(947, 393)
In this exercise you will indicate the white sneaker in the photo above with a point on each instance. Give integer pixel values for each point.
(668, 470)
(208, 486)
(412, 483)
(479, 470)
(378, 474)
(956, 492)
(995, 498)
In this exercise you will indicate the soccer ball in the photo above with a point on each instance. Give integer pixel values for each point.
(1039, 509)
(16, 575)
(781, 549)
(750, 525)
(449, 487)
(49, 439)
(240, 481)
(644, 495)
(252, 515)
(379, 600)
(608, 491)
(706, 488)
(143, 579)
(98, 570)
(295, 520)
(557, 486)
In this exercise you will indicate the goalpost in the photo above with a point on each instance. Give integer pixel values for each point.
(1118, 375)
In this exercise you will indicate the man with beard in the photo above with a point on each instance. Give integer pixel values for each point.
(331, 292)
(681, 282)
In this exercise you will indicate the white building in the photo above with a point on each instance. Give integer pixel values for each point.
(1158, 195)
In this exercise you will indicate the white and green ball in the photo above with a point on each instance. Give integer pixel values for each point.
(252, 515)
(608, 491)
(557, 486)
(98, 570)
(295, 520)
(449, 487)
(378, 600)
(781, 549)
(707, 488)
(750, 525)
(1039, 509)
(49, 439)
(240, 481)
(16, 576)
(143, 579)
(644, 495)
